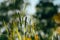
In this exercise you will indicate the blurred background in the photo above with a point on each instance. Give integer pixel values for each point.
(29, 19)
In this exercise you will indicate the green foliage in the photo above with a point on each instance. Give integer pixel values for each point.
(3, 37)
(44, 14)
(47, 11)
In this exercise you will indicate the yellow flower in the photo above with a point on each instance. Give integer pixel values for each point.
(36, 37)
